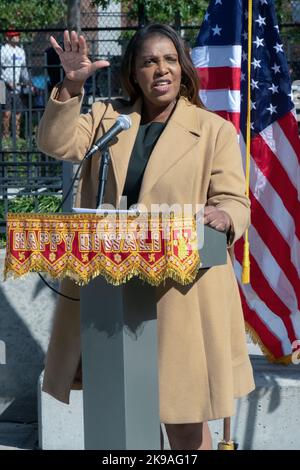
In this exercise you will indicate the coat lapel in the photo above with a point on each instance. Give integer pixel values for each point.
(179, 136)
(121, 151)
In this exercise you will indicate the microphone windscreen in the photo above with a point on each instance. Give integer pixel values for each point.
(124, 121)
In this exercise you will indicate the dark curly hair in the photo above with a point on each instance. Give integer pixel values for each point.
(189, 79)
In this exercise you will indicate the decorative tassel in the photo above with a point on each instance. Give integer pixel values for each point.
(246, 258)
(246, 263)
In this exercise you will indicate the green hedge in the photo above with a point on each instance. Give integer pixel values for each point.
(41, 203)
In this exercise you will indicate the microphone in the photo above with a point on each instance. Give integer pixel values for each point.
(122, 124)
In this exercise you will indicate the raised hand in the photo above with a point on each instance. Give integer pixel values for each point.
(74, 57)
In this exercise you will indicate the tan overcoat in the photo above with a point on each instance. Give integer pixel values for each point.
(203, 359)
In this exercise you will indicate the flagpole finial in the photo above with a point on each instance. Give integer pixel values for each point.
(226, 445)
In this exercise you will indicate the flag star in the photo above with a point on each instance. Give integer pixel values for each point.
(243, 76)
(261, 20)
(245, 35)
(244, 55)
(274, 88)
(241, 97)
(276, 27)
(272, 109)
(256, 63)
(263, 2)
(218, 2)
(291, 96)
(278, 47)
(206, 16)
(216, 30)
(276, 68)
(258, 42)
(254, 84)
(246, 14)
(252, 126)
(253, 104)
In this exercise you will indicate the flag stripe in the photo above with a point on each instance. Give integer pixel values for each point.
(264, 291)
(232, 117)
(275, 209)
(221, 100)
(273, 206)
(271, 269)
(275, 243)
(278, 142)
(212, 78)
(260, 284)
(289, 126)
(268, 338)
(258, 312)
(274, 172)
(217, 56)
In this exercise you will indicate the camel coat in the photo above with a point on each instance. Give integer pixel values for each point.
(203, 359)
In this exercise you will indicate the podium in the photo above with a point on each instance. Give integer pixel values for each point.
(118, 322)
(119, 358)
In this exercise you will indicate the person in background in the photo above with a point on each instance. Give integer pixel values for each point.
(14, 73)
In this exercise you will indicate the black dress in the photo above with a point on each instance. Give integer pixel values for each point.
(148, 135)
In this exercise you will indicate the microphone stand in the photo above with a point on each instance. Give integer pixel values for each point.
(103, 172)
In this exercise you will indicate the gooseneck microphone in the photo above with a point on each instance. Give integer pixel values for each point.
(122, 123)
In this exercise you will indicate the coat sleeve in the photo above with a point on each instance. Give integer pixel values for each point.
(227, 189)
(63, 132)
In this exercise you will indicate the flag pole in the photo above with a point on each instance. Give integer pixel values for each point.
(246, 257)
(227, 443)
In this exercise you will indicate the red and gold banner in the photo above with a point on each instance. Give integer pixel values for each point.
(82, 246)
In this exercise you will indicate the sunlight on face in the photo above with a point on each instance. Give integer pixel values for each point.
(158, 71)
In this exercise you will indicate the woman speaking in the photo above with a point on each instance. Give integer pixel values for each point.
(175, 152)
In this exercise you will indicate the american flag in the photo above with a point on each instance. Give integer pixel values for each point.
(271, 301)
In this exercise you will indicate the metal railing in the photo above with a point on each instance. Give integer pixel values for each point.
(24, 170)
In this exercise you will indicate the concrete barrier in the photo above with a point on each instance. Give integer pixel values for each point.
(26, 307)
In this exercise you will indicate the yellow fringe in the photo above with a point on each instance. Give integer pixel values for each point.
(40, 265)
(286, 360)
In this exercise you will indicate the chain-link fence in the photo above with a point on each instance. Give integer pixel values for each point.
(31, 71)
(28, 73)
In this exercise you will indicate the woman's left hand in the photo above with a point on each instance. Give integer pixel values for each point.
(217, 218)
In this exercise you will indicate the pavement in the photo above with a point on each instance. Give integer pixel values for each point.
(18, 436)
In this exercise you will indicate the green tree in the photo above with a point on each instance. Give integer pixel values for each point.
(22, 14)
(165, 11)
(190, 11)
